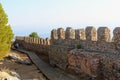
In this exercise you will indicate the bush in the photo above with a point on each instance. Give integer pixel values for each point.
(6, 34)
(79, 47)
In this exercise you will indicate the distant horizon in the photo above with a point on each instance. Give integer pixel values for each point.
(41, 16)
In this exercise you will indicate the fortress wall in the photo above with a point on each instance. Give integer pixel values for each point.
(62, 41)
(58, 56)
(89, 39)
(38, 45)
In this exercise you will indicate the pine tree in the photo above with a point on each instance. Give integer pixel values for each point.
(6, 34)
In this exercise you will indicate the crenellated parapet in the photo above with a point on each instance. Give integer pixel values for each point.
(102, 34)
(89, 34)
(32, 40)
(89, 38)
(19, 38)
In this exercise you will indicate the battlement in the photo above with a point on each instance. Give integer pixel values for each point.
(32, 40)
(88, 38)
(89, 34)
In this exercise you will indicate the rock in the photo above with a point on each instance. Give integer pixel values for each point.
(9, 75)
(19, 60)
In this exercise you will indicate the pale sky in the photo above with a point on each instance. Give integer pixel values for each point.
(26, 16)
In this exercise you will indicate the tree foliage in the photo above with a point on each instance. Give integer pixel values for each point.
(6, 34)
(34, 34)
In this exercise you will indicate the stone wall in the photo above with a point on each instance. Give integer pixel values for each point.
(98, 66)
(58, 56)
(89, 39)
(34, 44)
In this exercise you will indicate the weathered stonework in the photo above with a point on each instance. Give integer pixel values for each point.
(80, 34)
(47, 41)
(70, 33)
(36, 41)
(54, 34)
(98, 66)
(91, 34)
(42, 42)
(61, 33)
(95, 56)
(116, 33)
(103, 34)
(116, 38)
(57, 56)
(39, 41)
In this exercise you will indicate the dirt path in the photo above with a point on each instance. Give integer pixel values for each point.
(27, 72)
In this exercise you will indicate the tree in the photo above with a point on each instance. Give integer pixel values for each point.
(6, 34)
(34, 34)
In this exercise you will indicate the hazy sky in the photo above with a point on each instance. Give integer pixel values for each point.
(26, 16)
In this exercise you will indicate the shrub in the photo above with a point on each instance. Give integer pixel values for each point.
(79, 47)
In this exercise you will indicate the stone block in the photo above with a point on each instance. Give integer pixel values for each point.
(116, 38)
(61, 33)
(116, 33)
(54, 34)
(103, 34)
(70, 33)
(80, 34)
(42, 41)
(47, 41)
(91, 33)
